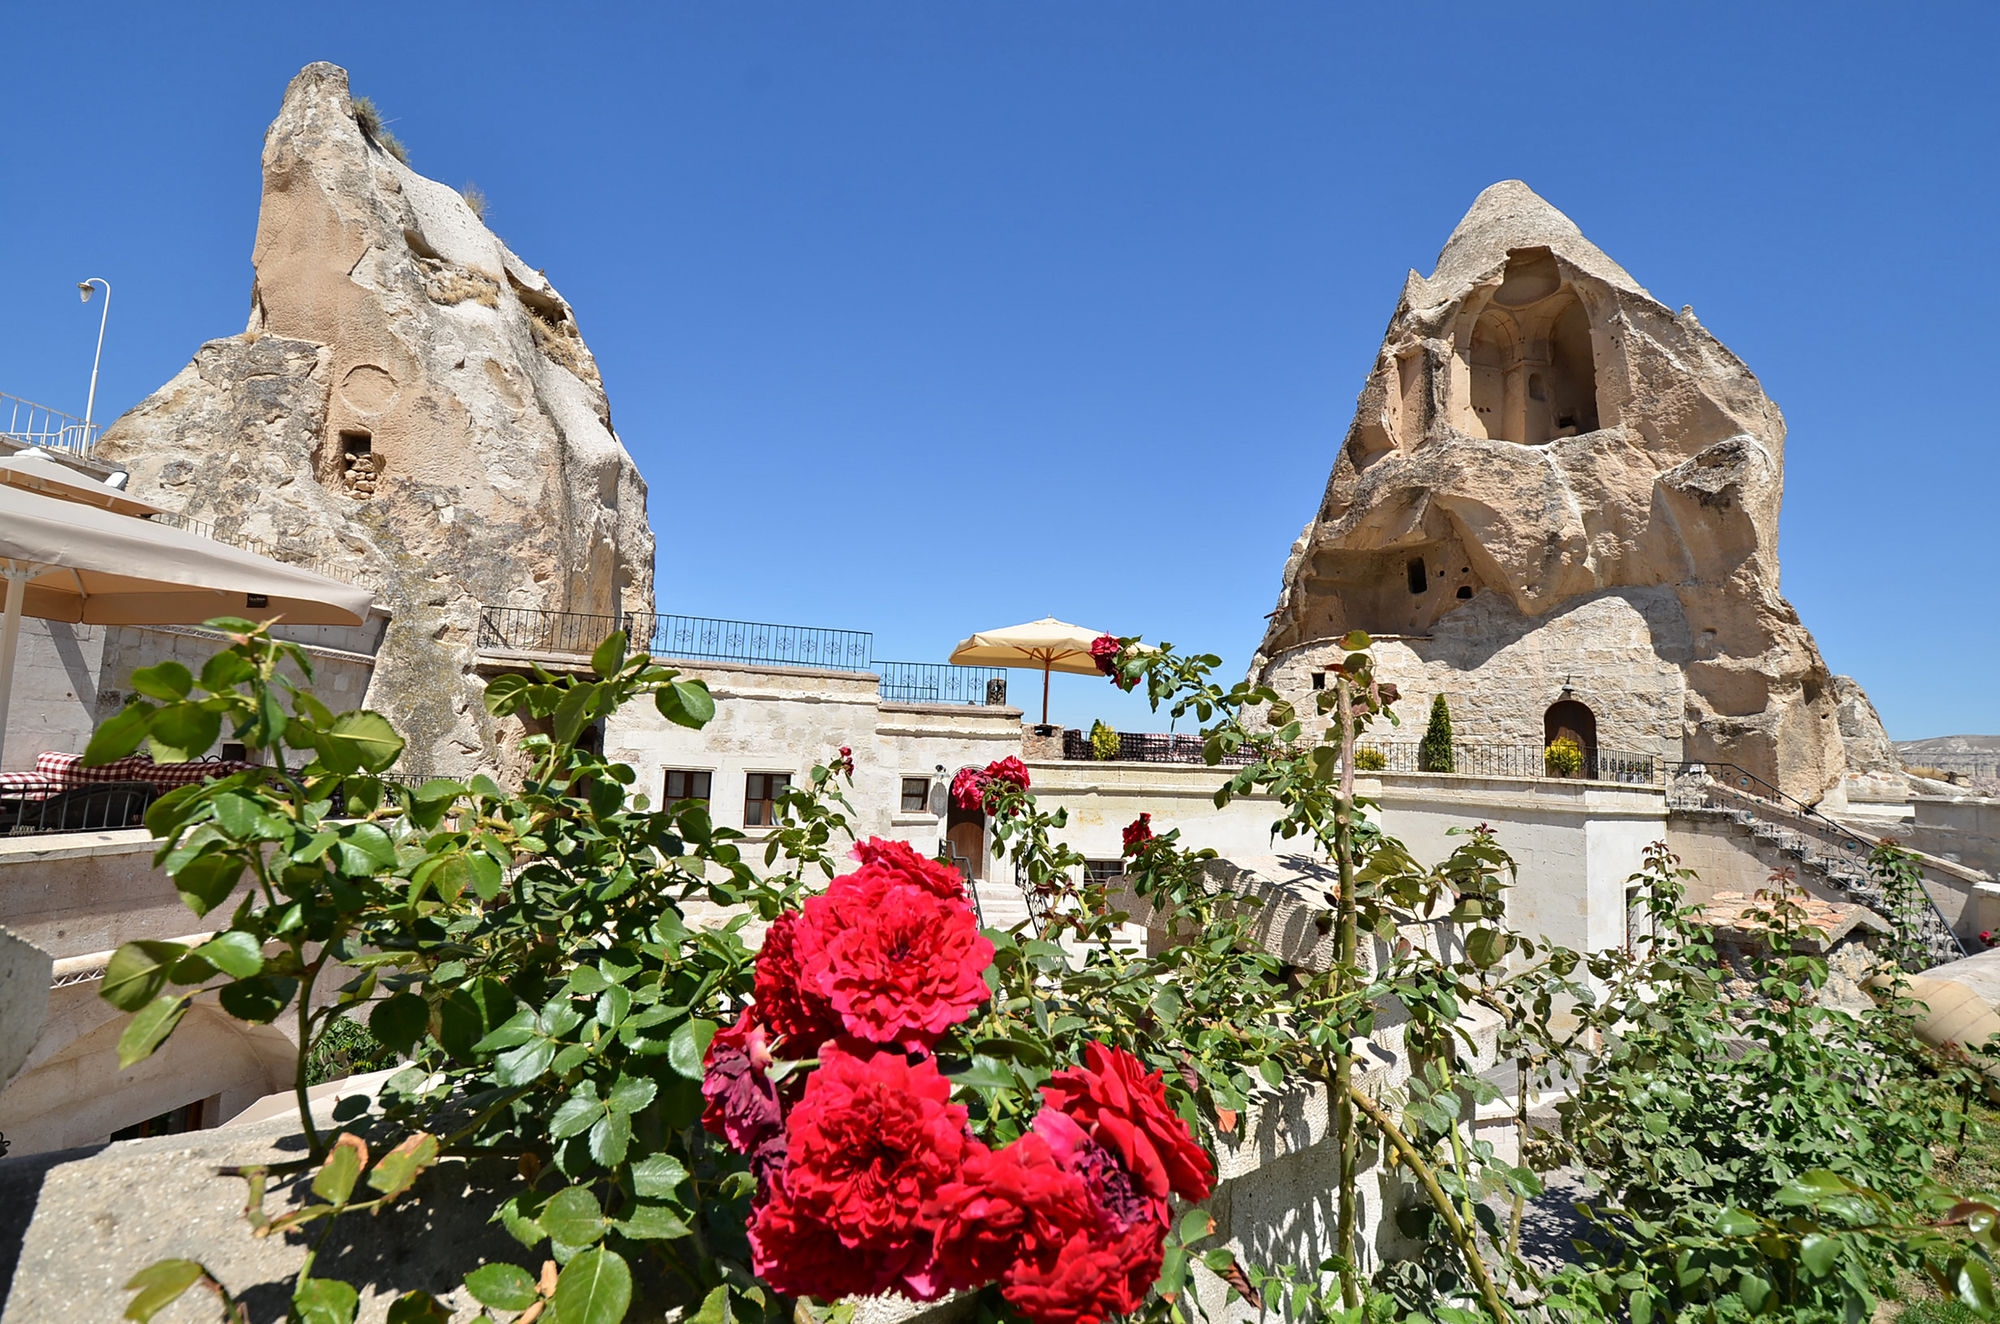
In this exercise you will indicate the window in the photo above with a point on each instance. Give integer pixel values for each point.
(916, 794)
(1319, 680)
(760, 794)
(683, 784)
(1419, 577)
(1102, 872)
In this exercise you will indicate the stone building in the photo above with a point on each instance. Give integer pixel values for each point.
(1558, 506)
(412, 403)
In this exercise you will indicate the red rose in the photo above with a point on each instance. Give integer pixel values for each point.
(900, 862)
(1090, 1278)
(897, 963)
(1009, 769)
(743, 1104)
(968, 789)
(796, 1012)
(872, 1141)
(1123, 1107)
(1137, 833)
(1104, 652)
(1006, 1206)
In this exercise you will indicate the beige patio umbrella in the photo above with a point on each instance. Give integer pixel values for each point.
(1049, 644)
(36, 470)
(67, 561)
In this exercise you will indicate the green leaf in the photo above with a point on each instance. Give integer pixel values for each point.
(160, 1284)
(226, 670)
(358, 742)
(417, 1308)
(657, 1177)
(523, 1064)
(400, 1021)
(234, 953)
(715, 1309)
(1736, 1223)
(577, 1112)
(652, 1222)
(137, 972)
(1975, 1287)
(685, 703)
(573, 1217)
(610, 1138)
(150, 1028)
(632, 1093)
(595, 1288)
(689, 1046)
(398, 1170)
(325, 1301)
(985, 1073)
(336, 1177)
(1196, 1224)
(183, 732)
(569, 718)
(168, 681)
(502, 1286)
(609, 656)
(206, 881)
(258, 999)
(120, 734)
(1642, 1306)
(1819, 1252)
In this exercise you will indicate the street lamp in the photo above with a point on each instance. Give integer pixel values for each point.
(90, 406)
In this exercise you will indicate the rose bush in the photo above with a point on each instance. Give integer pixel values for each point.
(870, 1179)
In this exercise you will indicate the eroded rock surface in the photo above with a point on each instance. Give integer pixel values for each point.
(1556, 490)
(411, 404)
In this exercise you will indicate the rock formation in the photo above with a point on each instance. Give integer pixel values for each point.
(412, 404)
(1558, 492)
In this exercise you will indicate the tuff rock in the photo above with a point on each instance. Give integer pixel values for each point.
(411, 406)
(1557, 491)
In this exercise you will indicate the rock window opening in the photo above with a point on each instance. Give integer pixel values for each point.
(1465, 592)
(685, 784)
(1319, 680)
(1420, 578)
(359, 469)
(760, 797)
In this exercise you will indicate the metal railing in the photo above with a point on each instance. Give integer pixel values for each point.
(1841, 856)
(703, 638)
(92, 807)
(940, 682)
(531, 630)
(1475, 758)
(38, 425)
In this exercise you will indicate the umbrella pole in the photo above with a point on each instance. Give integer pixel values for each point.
(1045, 696)
(10, 635)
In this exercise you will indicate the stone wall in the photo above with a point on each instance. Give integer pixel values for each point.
(1964, 830)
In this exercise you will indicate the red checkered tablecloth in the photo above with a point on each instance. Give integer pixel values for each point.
(59, 772)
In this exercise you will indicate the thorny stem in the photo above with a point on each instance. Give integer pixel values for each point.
(315, 1148)
(1344, 1129)
(1468, 1248)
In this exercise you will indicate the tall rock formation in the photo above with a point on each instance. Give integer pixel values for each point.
(412, 403)
(1558, 505)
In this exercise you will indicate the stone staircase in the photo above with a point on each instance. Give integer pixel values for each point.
(1826, 857)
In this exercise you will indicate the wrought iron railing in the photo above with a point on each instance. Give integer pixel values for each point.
(90, 807)
(530, 630)
(1476, 758)
(38, 425)
(1839, 854)
(940, 682)
(702, 638)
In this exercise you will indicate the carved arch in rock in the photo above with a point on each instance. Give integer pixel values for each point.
(1526, 368)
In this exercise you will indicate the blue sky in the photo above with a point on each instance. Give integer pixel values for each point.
(921, 318)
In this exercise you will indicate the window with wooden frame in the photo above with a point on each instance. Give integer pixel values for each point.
(916, 794)
(760, 797)
(686, 784)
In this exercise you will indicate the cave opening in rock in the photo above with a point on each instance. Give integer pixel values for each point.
(1420, 578)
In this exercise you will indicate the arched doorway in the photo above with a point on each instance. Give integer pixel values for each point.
(1568, 718)
(965, 832)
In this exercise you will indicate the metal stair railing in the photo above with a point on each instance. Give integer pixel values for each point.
(1838, 854)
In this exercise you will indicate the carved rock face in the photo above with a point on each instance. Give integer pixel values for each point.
(411, 403)
(1539, 428)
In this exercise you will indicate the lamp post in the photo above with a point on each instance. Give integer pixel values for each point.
(90, 405)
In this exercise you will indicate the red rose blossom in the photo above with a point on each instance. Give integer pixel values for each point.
(901, 862)
(1093, 1276)
(1104, 652)
(1006, 1206)
(743, 1104)
(787, 1005)
(897, 963)
(1137, 833)
(1123, 1107)
(1009, 769)
(871, 1142)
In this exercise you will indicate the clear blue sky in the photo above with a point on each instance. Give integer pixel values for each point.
(922, 318)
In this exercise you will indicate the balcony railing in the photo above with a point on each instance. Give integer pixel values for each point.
(940, 682)
(1476, 758)
(38, 425)
(701, 638)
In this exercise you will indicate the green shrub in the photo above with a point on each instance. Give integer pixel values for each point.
(1370, 760)
(1103, 741)
(1435, 754)
(346, 1048)
(1564, 758)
